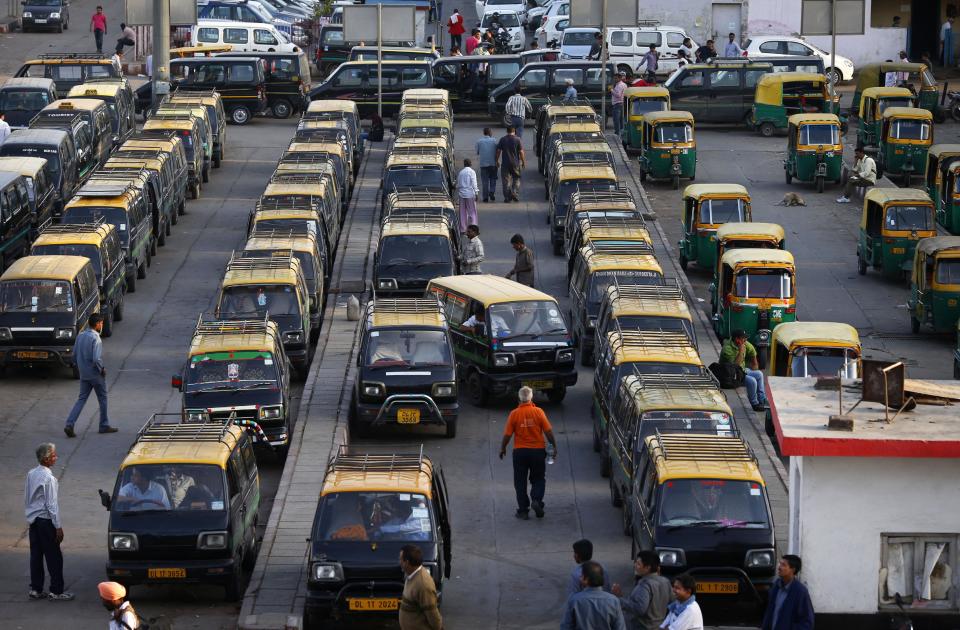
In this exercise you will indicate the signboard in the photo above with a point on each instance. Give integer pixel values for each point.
(360, 23)
(140, 12)
(589, 13)
(816, 17)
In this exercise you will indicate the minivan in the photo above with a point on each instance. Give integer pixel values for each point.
(545, 81)
(40, 187)
(287, 80)
(22, 98)
(721, 91)
(469, 88)
(357, 80)
(241, 82)
(97, 116)
(16, 218)
(57, 148)
(243, 36)
(120, 105)
(80, 131)
(70, 69)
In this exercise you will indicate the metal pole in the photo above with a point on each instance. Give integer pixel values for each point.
(161, 50)
(380, 60)
(603, 66)
(833, 47)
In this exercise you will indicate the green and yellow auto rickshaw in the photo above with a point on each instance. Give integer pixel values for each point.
(814, 151)
(939, 158)
(745, 235)
(668, 149)
(948, 210)
(780, 95)
(935, 284)
(705, 208)
(906, 135)
(638, 101)
(810, 349)
(916, 77)
(754, 290)
(893, 221)
(873, 103)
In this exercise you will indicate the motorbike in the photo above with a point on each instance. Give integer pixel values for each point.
(954, 105)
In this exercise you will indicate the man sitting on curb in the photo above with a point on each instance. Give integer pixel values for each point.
(738, 351)
(864, 175)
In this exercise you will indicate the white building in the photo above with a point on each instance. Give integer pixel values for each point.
(875, 511)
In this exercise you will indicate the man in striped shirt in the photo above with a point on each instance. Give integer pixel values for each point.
(616, 99)
(517, 108)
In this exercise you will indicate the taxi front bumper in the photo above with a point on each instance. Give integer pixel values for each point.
(430, 412)
(501, 384)
(10, 355)
(207, 571)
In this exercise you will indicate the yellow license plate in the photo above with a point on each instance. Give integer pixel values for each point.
(373, 603)
(163, 574)
(32, 354)
(408, 416)
(718, 588)
(899, 250)
(535, 385)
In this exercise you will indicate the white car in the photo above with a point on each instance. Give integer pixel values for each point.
(575, 43)
(778, 45)
(549, 26)
(509, 20)
(503, 6)
(535, 13)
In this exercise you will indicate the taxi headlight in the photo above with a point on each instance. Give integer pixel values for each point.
(271, 413)
(27, 14)
(565, 355)
(671, 557)
(327, 572)
(374, 390)
(64, 333)
(591, 322)
(504, 359)
(388, 283)
(293, 336)
(212, 540)
(759, 559)
(123, 542)
(55, 15)
(444, 390)
(196, 415)
(5, 334)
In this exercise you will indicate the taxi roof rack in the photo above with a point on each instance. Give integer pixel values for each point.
(155, 430)
(168, 105)
(213, 326)
(344, 460)
(134, 153)
(72, 55)
(55, 117)
(171, 116)
(92, 189)
(318, 131)
(417, 193)
(425, 100)
(287, 232)
(286, 203)
(104, 79)
(602, 196)
(647, 338)
(415, 149)
(698, 447)
(296, 178)
(559, 100)
(406, 306)
(414, 134)
(578, 162)
(114, 171)
(328, 114)
(675, 381)
(305, 157)
(664, 291)
(237, 262)
(149, 134)
(633, 248)
(93, 225)
(587, 222)
(416, 218)
(192, 92)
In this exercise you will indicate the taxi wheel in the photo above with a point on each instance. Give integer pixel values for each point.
(557, 394)
(282, 109)
(195, 191)
(132, 283)
(626, 520)
(234, 588)
(142, 271)
(861, 266)
(914, 325)
(107, 324)
(452, 428)
(478, 397)
(240, 115)
(820, 183)
(615, 499)
(206, 175)
(643, 176)
(74, 371)
(767, 129)
(118, 310)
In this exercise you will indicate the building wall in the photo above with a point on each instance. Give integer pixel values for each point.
(846, 503)
(782, 17)
(693, 16)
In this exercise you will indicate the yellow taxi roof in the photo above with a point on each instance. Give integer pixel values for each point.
(887, 92)
(607, 261)
(573, 170)
(296, 242)
(431, 141)
(613, 232)
(396, 204)
(186, 51)
(409, 225)
(120, 201)
(424, 312)
(169, 123)
(426, 93)
(316, 147)
(380, 476)
(932, 245)
(588, 205)
(740, 229)
(943, 149)
(152, 163)
(419, 159)
(75, 103)
(443, 123)
(816, 333)
(26, 166)
(652, 346)
(490, 289)
(675, 399)
(85, 237)
(600, 146)
(670, 115)
(57, 61)
(914, 113)
(333, 104)
(314, 189)
(703, 456)
(263, 275)
(164, 144)
(47, 267)
(646, 92)
(894, 195)
(710, 190)
(573, 127)
(560, 109)
(191, 97)
(279, 213)
(234, 337)
(810, 119)
(652, 306)
(745, 255)
(94, 89)
(214, 452)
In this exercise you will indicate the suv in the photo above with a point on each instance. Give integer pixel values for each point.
(70, 69)
(777, 45)
(371, 505)
(720, 91)
(628, 45)
(45, 14)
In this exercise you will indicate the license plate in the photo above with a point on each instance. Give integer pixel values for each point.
(41, 20)
(373, 603)
(718, 588)
(166, 573)
(32, 354)
(408, 416)
(545, 384)
(899, 250)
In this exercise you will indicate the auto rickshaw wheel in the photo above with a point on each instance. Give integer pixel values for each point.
(914, 325)
(787, 176)
(676, 182)
(684, 262)
(767, 129)
(820, 183)
(107, 323)
(861, 265)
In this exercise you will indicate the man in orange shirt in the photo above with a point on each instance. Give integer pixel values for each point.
(527, 425)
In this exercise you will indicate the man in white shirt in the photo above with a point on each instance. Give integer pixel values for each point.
(684, 613)
(42, 508)
(467, 190)
(472, 254)
(140, 493)
(864, 175)
(4, 128)
(518, 106)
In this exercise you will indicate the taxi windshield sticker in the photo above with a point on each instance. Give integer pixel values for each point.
(233, 371)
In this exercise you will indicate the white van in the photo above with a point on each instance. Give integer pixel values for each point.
(243, 36)
(628, 45)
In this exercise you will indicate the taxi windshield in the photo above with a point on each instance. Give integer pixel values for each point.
(230, 370)
(823, 362)
(72, 249)
(90, 214)
(601, 280)
(526, 320)
(906, 129)
(413, 176)
(35, 296)
(673, 132)
(246, 300)
(948, 271)
(23, 100)
(587, 156)
(165, 487)
(713, 502)
(764, 283)
(567, 188)
(410, 348)
(909, 218)
(718, 423)
(363, 516)
(812, 135)
(414, 250)
(716, 211)
(640, 106)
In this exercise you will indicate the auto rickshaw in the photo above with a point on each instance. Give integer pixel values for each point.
(637, 102)
(948, 210)
(893, 220)
(754, 290)
(914, 76)
(935, 284)
(939, 158)
(705, 208)
(805, 349)
(906, 134)
(814, 151)
(746, 234)
(873, 103)
(779, 95)
(668, 149)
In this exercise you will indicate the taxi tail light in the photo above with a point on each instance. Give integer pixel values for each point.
(176, 381)
(791, 310)
(888, 241)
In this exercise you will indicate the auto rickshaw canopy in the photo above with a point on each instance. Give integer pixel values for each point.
(749, 256)
(872, 75)
(911, 113)
(670, 115)
(883, 92)
(749, 229)
(818, 334)
(938, 244)
(728, 191)
(771, 86)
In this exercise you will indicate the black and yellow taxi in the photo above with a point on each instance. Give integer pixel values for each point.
(407, 375)
(645, 307)
(287, 80)
(595, 204)
(188, 130)
(568, 178)
(296, 215)
(40, 188)
(412, 143)
(560, 113)
(238, 369)
(565, 134)
(118, 98)
(100, 242)
(213, 103)
(506, 335)
(413, 249)
(96, 114)
(155, 172)
(45, 302)
(199, 111)
(319, 189)
(76, 126)
(564, 150)
(601, 227)
(326, 169)
(423, 170)
(59, 153)
(700, 502)
(419, 201)
(370, 506)
(17, 226)
(69, 69)
(337, 130)
(185, 506)
(149, 184)
(332, 110)
(322, 150)
(166, 155)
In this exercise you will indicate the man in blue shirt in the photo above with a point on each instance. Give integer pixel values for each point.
(487, 151)
(88, 355)
(789, 606)
(570, 96)
(592, 608)
(582, 552)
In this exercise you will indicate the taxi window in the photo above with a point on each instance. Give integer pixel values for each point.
(70, 249)
(560, 75)
(240, 73)
(166, 487)
(208, 35)
(910, 130)
(98, 71)
(600, 281)
(716, 211)
(66, 72)
(693, 78)
(526, 320)
(362, 516)
(413, 77)
(640, 106)
(712, 502)
(265, 37)
(759, 283)
(246, 300)
(282, 69)
(534, 78)
(211, 73)
(724, 78)
(823, 362)
(230, 371)
(771, 48)
(235, 35)
(408, 348)
(948, 271)
(418, 250)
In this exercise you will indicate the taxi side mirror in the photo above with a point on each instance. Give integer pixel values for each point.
(176, 381)
(105, 499)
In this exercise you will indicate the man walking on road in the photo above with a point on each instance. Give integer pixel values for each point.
(789, 606)
(864, 175)
(512, 161)
(582, 552)
(740, 352)
(616, 100)
(472, 254)
(646, 606)
(487, 152)
(42, 507)
(684, 613)
(518, 106)
(88, 355)
(467, 191)
(523, 265)
(650, 61)
(528, 425)
(418, 605)
(592, 608)
(455, 28)
(98, 24)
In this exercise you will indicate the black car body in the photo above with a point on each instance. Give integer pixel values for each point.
(57, 148)
(22, 98)
(413, 249)
(721, 91)
(543, 82)
(39, 185)
(95, 114)
(357, 81)
(16, 218)
(287, 80)
(42, 15)
(70, 69)
(469, 86)
(74, 123)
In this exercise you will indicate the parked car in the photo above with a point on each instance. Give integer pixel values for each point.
(550, 24)
(40, 15)
(544, 81)
(575, 43)
(778, 45)
(243, 36)
(628, 45)
(287, 80)
(535, 13)
(510, 21)
(503, 6)
(242, 11)
(468, 89)
(721, 91)
(21, 99)
(357, 81)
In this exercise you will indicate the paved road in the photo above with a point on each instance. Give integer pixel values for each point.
(146, 348)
